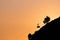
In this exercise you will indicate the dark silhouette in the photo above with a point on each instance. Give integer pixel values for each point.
(50, 31)
(29, 36)
(46, 20)
(38, 26)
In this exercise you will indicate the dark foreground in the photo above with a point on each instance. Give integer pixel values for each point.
(50, 31)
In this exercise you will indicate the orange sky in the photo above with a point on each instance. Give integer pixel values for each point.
(19, 17)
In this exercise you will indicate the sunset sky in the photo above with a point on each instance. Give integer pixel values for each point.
(18, 18)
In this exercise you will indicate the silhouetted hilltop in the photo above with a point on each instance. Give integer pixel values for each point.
(50, 31)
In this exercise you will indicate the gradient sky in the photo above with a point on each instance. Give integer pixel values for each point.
(19, 17)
